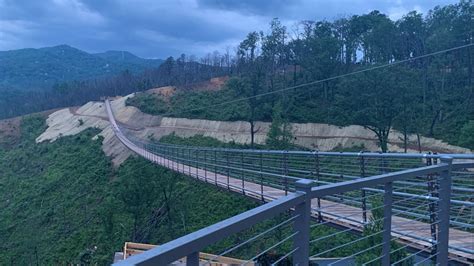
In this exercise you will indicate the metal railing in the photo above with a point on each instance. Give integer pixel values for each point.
(427, 188)
(281, 169)
(300, 201)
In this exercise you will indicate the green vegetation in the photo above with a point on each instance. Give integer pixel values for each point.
(76, 77)
(466, 136)
(31, 69)
(279, 135)
(431, 96)
(63, 203)
(200, 141)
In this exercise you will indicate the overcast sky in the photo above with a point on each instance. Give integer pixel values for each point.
(160, 28)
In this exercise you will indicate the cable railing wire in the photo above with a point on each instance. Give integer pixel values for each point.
(295, 163)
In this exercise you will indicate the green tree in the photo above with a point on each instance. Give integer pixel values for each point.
(279, 136)
(251, 85)
(466, 137)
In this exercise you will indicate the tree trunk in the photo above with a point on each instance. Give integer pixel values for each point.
(419, 141)
(384, 144)
(405, 138)
(433, 123)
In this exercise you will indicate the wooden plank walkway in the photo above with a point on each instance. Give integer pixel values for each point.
(407, 231)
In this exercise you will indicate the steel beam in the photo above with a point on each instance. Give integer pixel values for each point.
(443, 206)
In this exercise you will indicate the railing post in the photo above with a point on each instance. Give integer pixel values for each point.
(320, 217)
(302, 224)
(432, 205)
(192, 259)
(444, 207)
(387, 223)
(197, 164)
(205, 166)
(285, 170)
(189, 161)
(242, 172)
(364, 201)
(215, 167)
(341, 176)
(228, 169)
(183, 158)
(261, 177)
(168, 156)
(175, 159)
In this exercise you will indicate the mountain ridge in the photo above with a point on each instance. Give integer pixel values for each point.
(42, 68)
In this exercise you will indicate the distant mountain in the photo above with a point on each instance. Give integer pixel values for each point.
(31, 69)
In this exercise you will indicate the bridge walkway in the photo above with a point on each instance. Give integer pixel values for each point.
(410, 232)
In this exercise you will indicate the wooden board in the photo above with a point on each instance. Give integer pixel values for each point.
(131, 248)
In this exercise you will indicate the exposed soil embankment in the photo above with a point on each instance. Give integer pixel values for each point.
(315, 136)
(10, 132)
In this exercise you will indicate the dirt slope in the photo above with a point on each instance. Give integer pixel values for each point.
(322, 137)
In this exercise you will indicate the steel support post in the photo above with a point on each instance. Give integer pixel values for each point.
(302, 224)
(443, 207)
(320, 217)
(285, 171)
(341, 177)
(228, 170)
(432, 207)
(242, 172)
(180, 156)
(192, 259)
(160, 153)
(168, 156)
(215, 167)
(197, 164)
(177, 160)
(364, 201)
(174, 161)
(261, 178)
(196, 158)
(387, 223)
(205, 166)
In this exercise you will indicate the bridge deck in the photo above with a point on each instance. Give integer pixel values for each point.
(409, 231)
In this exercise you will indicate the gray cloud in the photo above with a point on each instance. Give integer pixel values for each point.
(152, 28)
(256, 7)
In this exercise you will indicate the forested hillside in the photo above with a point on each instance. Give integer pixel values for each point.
(39, 69)
(426, 95)
(63, 202)
(78, 92)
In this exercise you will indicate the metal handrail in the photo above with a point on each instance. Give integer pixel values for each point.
(338, 188)
(327, 153)
(190, 245)
(197, 241)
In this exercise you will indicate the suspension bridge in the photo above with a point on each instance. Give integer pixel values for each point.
(427, 200)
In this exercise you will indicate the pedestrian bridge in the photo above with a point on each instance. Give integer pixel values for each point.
(426, 201)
